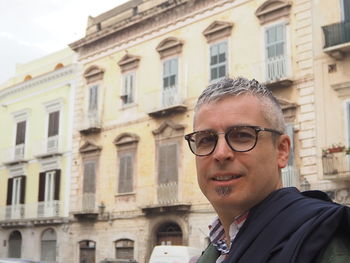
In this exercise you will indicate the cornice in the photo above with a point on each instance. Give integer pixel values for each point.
(105, 46)
(45, 78)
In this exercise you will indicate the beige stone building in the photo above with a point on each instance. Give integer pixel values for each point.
(144, 64)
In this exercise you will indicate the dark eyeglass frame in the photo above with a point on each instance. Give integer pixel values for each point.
(257, 129)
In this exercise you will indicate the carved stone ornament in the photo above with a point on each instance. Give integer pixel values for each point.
(169, 47)
(93, 74)
(218, 30)
(168, 129)
(126, 139)
(128, 62)
(88, 147)
(272, 10)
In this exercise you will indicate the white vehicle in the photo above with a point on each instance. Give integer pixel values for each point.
(17, 260)
(174, 254)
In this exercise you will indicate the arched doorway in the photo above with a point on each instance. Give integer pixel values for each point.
(48, 246)
(15, 244)
(169, 234)
(87, 251)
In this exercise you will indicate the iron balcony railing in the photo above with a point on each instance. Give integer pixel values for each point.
(276, 68)
(336, 165)
(167, 193)
(336, 34)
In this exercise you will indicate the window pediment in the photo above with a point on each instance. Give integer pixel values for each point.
(272, 10)
(126, 139)
(93, 73)
(89, 147)
(169, 46)
(168, 129)
(128, 62)
(217, 30)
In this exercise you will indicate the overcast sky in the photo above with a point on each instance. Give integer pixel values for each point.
(32, 29)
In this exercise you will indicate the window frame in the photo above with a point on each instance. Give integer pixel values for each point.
(125, 89)
(218, 65)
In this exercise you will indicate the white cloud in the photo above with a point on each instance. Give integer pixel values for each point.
(38, 27)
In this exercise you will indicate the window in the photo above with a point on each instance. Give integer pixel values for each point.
(15, 197)
(53, 131)
(20, 139)
(125, 173)
(89, 185)
(218, 60)
(93, 99)
(48, 246)
(124, 249)
(170, 73)
(49, 193)
(275, 44)
(346, 10)
(87, 249)
(128, 88)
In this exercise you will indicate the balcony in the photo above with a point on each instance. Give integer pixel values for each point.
(290, 176)
(37, 213)
(167, 200)
(88, 209)
(48, 147)
(337, 39)
(336, 165)
(170, 101)
(14, 155)
(91, 123)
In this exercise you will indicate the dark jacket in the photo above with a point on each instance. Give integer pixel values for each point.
(291, 227)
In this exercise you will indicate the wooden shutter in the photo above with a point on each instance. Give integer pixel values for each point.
(290, 132)
(89, 177)
(21, 132)
(275, 41)
(57, 185)
(125, 174)
(23, 190)
(167, 163)
(93, 98)
(9, 191)
(346, 10)
(54, 119)
(41, 194)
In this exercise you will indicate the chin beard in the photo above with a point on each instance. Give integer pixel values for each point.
(223, 190)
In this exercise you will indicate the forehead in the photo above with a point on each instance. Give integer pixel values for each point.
(233, 110)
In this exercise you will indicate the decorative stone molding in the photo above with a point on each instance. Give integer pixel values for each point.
(272, 10)
(289, 110)
(126, 139)
(128, 62)
(218, 30)
(89, 147)
(168, 129)
(93, 74)
(342, 89)
(169, 47)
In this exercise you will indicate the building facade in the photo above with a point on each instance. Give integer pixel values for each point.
(144, 64)
(36, 118)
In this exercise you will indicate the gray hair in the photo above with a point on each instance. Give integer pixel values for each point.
(226, 87)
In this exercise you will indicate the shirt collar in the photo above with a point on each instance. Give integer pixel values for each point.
(217, 233)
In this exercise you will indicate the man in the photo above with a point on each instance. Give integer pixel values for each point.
(240, 149)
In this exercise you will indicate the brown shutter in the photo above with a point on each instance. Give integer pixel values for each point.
(168, 164)
(21, 132)
(23, 190)
(9, 191)
(125, 174)
(41, 195)
(54, 118)
(57, 185)
(89, 177)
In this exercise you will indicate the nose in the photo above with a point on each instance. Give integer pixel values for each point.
(222, 152)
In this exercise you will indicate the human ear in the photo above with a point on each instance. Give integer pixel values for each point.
(283, 150)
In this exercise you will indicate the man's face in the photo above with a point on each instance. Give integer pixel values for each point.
(239, 180)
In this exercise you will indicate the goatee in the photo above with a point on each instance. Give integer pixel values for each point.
(223, 190)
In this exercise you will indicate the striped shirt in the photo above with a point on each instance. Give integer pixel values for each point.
(217, 234)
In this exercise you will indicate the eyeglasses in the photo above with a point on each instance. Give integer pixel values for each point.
(239, 138)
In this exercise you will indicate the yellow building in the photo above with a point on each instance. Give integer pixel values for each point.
(36, 115)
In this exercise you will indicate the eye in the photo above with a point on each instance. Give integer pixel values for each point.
(205, 139)
(241, 135)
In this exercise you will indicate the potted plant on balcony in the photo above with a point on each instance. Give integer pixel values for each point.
(335, 148)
